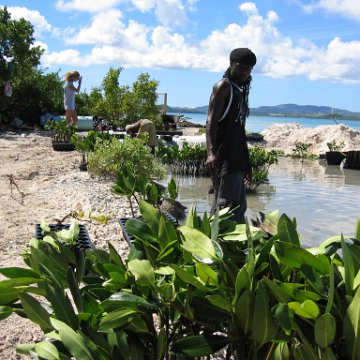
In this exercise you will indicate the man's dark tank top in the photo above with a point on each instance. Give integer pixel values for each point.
(232, 150)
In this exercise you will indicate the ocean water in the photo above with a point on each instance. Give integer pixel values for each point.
(325, 200)
(260, 123)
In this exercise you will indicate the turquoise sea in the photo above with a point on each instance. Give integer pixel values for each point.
(260, 123)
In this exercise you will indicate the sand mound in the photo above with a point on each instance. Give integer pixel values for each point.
(286, 136)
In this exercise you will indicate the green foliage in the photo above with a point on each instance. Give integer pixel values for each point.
(34, 91)
(122, 105)
(261, 161)
(301, 151)
(138, 187)
(334, 146)
(191, 291)
(110, 157)
(60, 130)
(190, 159)
(87, 143)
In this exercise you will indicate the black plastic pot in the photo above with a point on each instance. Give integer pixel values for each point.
(63, 146)
(335, 157)
(352, 160)
(83, 242)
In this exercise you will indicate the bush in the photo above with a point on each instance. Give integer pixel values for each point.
(110, 157)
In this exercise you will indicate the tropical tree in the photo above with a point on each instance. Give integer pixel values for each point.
(34, 92)
(122, 104)
(140, 102)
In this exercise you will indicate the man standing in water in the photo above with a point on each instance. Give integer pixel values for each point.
(228, 154)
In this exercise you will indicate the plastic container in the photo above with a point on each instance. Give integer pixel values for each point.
(85, 123)
(83, 242)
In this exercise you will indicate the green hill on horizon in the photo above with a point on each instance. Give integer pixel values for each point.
(286, 110)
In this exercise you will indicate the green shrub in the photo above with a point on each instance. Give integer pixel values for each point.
(110, 157)
(60, 130)
(87, 143)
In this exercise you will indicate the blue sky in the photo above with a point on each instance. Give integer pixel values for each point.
(308, 51)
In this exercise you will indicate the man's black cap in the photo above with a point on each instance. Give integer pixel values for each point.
(243, 56)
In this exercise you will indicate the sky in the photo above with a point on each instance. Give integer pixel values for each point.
(308, 52)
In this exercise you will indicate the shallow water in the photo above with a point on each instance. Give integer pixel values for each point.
(325, 200)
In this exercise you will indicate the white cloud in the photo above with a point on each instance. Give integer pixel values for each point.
(346, 8)
(171, 13)
(105, 28)
(132, 44)
(91, 6)
(37, 20)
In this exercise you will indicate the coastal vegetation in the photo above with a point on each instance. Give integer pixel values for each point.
(189, 291)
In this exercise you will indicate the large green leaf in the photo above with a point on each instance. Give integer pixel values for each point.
(8, 295)
(25, 349)
(161, 344)
(117, 319)
(325, 328)
(123, 300)
(312, 277)
(143, 271)
(244, 311)
(5, 311)
(189, 278)
(140, 230)
(36, 312)
(357, 230)
(206, 226)
(282, 352)
(115, 257)
(349, 267)
(17, 272)
(352, 327)
(308, 309)
(294, 257)
(206, 274)
(200, 345)
(240, 233)
(277, 291)
(263, 326)
(197, 243)
(46, 350)
(73, 341)
(61, 305)
(167, 233)
(242, 282)
(285, 317)
(287, 231)
(219, 301)
(151, 215)
(15, 282)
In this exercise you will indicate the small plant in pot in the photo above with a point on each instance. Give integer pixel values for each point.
(335, 156)
(61, 135)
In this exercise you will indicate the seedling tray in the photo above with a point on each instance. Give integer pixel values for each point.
(83, 242)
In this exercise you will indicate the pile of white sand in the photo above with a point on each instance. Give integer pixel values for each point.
(286, 136)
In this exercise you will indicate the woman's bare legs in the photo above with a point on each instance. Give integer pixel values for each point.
(71, 117)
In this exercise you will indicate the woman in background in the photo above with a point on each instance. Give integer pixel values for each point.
(69, 96)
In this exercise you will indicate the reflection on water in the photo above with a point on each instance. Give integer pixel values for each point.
(325, 200)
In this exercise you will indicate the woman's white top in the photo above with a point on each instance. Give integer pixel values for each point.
(69, 96)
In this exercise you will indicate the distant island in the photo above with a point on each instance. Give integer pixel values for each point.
(284, 110)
